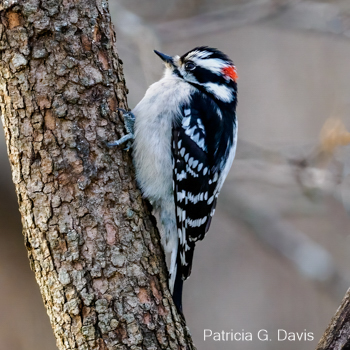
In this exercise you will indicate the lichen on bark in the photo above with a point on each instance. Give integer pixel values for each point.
(91, 242)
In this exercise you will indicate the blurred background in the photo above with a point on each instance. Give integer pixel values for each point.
(277, 254)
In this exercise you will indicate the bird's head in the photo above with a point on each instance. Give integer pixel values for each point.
(206, 68)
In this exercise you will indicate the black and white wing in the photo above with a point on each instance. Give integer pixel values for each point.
(203, 148)
(199, 148)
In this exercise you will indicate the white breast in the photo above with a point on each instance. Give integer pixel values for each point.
(154, 115)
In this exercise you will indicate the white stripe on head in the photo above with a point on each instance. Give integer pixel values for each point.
(199, 54)
(222, 92)
(215, 65)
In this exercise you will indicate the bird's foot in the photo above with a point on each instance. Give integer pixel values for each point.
(129, 121)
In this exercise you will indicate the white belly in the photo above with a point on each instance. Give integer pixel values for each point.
(154, 115)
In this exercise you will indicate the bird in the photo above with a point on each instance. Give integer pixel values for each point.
(183, 135)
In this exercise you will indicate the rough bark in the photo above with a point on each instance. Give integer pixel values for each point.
(337, 335)
(90, 239)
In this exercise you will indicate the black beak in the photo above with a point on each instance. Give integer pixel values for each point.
(165, 58)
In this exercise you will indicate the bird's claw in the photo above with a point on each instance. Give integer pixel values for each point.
(129, 121)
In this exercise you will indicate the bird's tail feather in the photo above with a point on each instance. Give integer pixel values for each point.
(175, 277)
(173, 268)
(177, 293)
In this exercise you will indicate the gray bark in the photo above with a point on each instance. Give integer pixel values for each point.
(91, 242)
(337, 335)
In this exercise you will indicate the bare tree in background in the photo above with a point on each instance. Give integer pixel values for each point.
(90, 239)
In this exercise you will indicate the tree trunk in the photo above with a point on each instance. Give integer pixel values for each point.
(337, 335)
(91, 241)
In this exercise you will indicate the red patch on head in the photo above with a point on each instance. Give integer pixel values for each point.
(230, 72)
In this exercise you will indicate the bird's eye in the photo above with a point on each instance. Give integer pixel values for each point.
(190, 66)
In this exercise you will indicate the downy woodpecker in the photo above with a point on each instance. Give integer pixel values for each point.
(184, 141)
